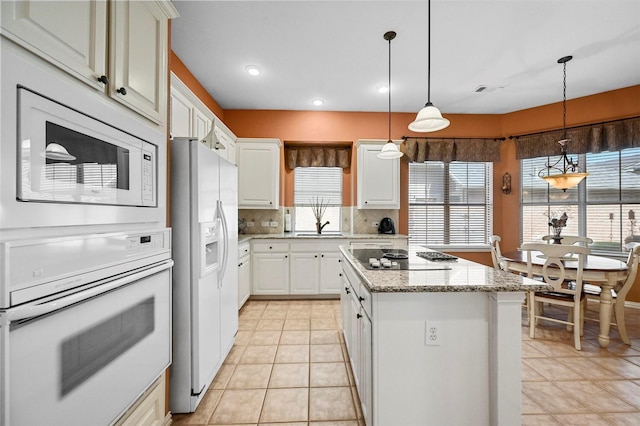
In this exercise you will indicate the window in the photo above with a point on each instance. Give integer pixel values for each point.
(601, 207)
(313, 184)
(450, 203)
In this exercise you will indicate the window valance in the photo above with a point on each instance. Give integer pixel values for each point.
(419, 150)
(594, 138)
(317, 156)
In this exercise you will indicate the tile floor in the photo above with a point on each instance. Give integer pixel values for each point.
(288, 367)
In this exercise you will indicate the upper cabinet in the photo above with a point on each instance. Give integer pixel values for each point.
(117, 47)
(191, 118)
(258, 173)
(378, 179)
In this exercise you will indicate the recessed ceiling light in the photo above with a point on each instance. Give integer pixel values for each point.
(317, 102)
(383, 88)
(253, 70)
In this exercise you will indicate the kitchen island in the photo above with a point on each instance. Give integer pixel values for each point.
(437, 344)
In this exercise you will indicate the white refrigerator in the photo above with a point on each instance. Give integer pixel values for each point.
(204, 219)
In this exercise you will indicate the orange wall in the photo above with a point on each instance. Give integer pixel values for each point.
(182, 72)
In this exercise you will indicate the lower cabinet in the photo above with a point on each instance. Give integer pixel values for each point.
(305, 273)
(149, 409)
(244, 273)
(270, 268)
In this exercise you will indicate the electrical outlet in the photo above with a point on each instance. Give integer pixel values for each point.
(375, 223)
(250, 224)
(273, 224)
(433, 333)
(265, 224)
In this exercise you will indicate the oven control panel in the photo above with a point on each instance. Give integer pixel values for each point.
(143, 243)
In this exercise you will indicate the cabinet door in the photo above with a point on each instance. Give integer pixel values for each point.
(354, 350)
(305, 273)
(258, 175)
(244, 280)
(365, 391)
(270, 273)
(378, 179)
(231, 152)
(201, 124)
(330, 273)
(70, 34)
(138, 53)
(345, 311)
(181, 115)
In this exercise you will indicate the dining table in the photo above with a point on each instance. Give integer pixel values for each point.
(598, 270)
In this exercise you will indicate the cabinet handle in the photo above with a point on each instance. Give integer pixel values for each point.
(270, 248)
(360, 298)
(346, 289)
(339, 275)
(239, 264)
(103, 79)
(339, 260)
(286, 257)
(315, 256)
(270, 202)
(358, 316)
(366, 202)
(122, 91)
(322, 255)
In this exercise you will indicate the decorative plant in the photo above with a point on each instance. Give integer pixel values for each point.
(319, 207)
(558, 223)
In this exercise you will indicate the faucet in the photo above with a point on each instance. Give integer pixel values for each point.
(319, 227)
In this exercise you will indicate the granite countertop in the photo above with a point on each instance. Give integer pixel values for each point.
(463, 276)
(311, 236)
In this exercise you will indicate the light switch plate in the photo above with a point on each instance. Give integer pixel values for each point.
(250, 224)
(273, 224)
(265, 224)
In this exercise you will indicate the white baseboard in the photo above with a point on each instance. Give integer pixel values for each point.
(167, 419)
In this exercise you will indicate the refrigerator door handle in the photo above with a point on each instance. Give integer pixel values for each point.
(225, 250)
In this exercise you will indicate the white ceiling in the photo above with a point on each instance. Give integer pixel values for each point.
(335, 50)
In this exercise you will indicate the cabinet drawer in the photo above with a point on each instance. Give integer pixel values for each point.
(317, 246)
(365, 298)
(269, 247)
(244, 249)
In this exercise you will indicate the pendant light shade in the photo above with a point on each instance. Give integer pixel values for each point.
(570, 174)
(390, 150)
(429, 118)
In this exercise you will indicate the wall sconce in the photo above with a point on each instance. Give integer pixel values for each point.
(506, 183)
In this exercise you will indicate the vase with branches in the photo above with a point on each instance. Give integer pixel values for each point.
(319, 206)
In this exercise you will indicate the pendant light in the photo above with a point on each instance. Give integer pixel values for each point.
(570, 173)
(390, 150)
(429, 118)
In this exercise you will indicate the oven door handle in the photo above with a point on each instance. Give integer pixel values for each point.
(29, 311)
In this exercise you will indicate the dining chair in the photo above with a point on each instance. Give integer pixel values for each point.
(565, 293)
(496, 254)
(619, 292)
(570, 239)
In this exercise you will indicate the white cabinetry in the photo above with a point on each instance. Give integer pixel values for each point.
(149, 409)
(270, 267)
(258, 173)
(244, 272)
(378, 179)
(316, 267)
(190, 118)
(118, 47)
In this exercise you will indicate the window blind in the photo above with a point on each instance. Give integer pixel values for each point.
(313, 184)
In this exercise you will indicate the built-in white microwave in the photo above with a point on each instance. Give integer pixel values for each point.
(65, 156)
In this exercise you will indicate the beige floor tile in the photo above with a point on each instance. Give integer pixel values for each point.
(250, 376)
(626, 390)
(529, 351)
(289, 376)
(328, 374)
(280, 314)
(322, 337)
(270, 324)
(531, 375)
(591, 396)
(539, 420)
(234, 354)
(299, 314)
(243, 337)
(553, 370)
(285, 405)
(589, 368)
(247, 324)
(331, 404)
(292, 354)
(621, 366)
(294, 337)
(323, 324)
(259, 355)
(581, 419)
(248, 314)
(529, 406)
(204, 412)
(335, 423)
(623, 419)
(239, 406)
(553, 398)
(223, 376)
(265, 337)
(326, 353)
(297, 324)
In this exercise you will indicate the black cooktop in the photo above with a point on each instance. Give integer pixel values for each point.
(398, 259)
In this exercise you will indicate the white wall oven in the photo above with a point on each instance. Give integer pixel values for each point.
(84, 330)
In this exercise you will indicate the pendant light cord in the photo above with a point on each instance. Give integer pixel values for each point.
(564, 101)
(429, 52)
(389, 88)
